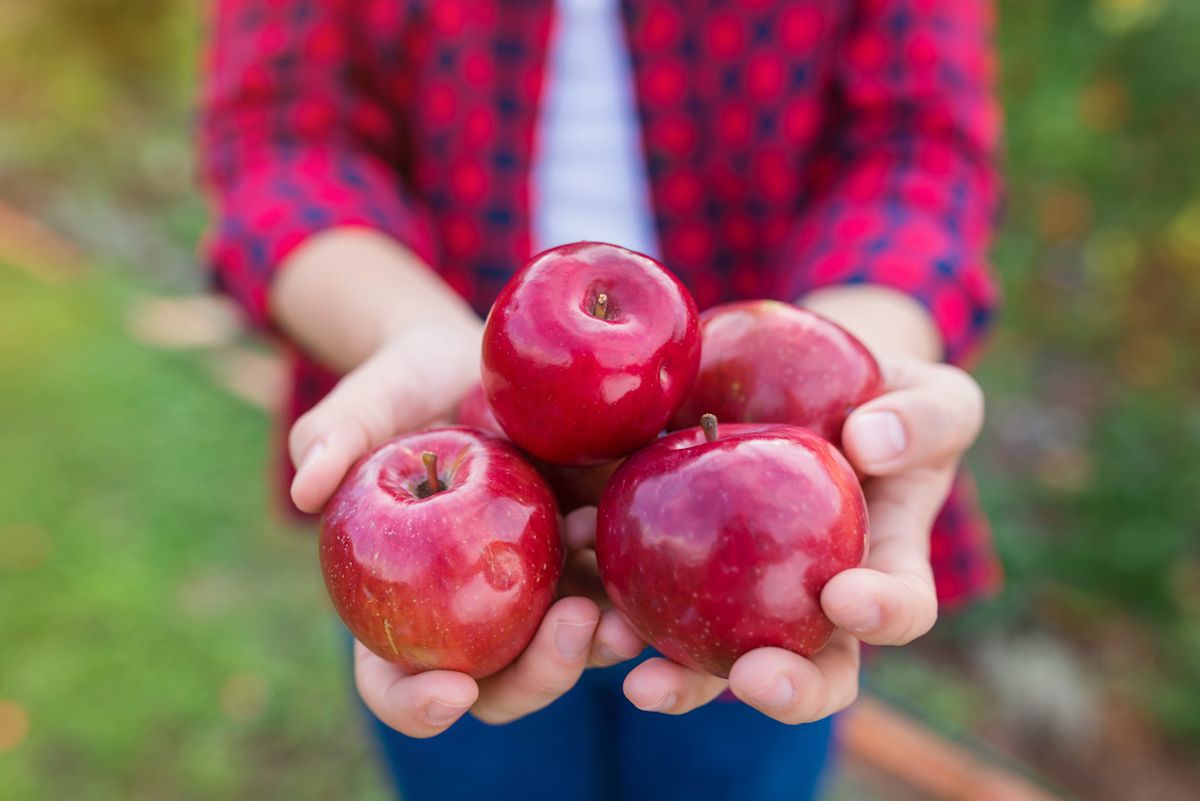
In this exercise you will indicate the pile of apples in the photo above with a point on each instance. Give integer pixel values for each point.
(441, 549)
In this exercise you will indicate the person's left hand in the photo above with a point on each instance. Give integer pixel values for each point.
(907, 443)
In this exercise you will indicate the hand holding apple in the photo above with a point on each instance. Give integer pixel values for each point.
(718, 541)
(908, 442)
(769, 362)
(409, 382)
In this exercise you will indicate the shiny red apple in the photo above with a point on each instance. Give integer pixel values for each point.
(587, 353)
(573, 486)
(441, 550)
(770, 362)
(715, 542)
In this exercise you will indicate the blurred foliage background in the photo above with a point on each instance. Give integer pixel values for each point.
(165, 635)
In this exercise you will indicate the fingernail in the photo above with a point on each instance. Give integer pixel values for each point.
(861, 617)
(310, 456)
(880, 437)
(440, 713)
(776, 695)
(663, 704)
(573, 638)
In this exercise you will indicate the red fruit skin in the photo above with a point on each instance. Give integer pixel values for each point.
(475, 411)
(571, 388)
(573, 486)
(458, 580)
(714, 549)
(770, 362)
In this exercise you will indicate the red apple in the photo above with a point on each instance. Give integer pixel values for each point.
(769, 362)
(573, 486)
(715, 543)
(441, 550)
(587, 353)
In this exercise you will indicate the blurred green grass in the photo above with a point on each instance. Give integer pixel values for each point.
(165, 637)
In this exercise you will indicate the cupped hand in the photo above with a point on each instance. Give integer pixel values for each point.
(907, 444)
(574, 635)
(410, 383)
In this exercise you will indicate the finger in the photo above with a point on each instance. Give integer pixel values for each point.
(548, 667)
(660, 685)
(581, 577)
(615, 640)
(419, 705)
(580, 528)
(327, 440)
(337, 445)
(792, 689)
(929, 416)
(402, 387)
(892, 599)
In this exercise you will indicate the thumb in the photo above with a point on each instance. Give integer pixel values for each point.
(928, 418)
(408, 384)
(326, 441)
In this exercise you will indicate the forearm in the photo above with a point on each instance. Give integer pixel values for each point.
(345, 293)
(887, 321)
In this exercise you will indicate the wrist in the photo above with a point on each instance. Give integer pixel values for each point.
(346, 293)
(887, 321)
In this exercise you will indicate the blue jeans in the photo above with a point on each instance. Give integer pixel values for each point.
(593, 745)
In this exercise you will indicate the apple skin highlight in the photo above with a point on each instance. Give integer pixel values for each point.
(714, 548)
(769, 362)
(454, 579)
(588, 352)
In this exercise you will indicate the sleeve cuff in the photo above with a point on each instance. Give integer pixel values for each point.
(919, 258)
(272, 208)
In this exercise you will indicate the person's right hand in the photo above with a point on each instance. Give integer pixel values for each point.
(415, 380)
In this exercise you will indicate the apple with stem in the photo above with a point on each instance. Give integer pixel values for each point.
(716, 542)
(441, 550)
(587, 353)
(769, 362)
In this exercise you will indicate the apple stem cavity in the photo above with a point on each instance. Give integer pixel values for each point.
(708, 422)
(431, 476)
(600, 309)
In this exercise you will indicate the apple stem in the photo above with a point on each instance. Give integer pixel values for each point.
(709, 423)
(600, 310)
(430, 460)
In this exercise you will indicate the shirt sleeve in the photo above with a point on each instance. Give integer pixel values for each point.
(906, 191)
(297, 137)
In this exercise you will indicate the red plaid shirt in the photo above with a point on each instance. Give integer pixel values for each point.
(790, 145)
